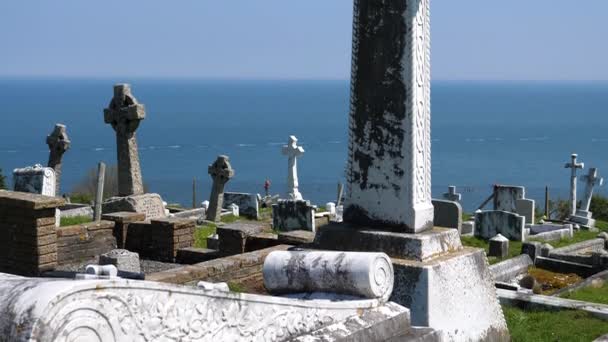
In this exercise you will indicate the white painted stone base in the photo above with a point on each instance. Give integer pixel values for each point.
(454, 294)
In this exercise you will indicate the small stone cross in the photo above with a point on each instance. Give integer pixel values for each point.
(58, 142)
(591, 180)
(452, 195)
(124, 114)
(574, 166)
(293, 151)
(220, 171)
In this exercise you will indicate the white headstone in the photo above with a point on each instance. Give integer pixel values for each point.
(293, 151)
(35, 179)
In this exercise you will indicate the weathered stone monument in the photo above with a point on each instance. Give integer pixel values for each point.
(59, 143)
(452, 195)
(293, 151)
(583, 216)
(574, 166)
(220, 171)
(388, 206)
(125, 114)
(35, 179)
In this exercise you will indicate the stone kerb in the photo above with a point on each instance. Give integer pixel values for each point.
(490, 223)
(28, 240)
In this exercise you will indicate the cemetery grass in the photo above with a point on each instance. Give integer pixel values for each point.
(201, 233)
(471, 241)
(594, 294)
(72, 221)
(563, 325)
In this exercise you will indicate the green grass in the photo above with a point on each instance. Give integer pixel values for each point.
(471, 241)
(71, 221)
(591, 294)
(550, 326)
(201, 233)
(236, 287)
(467, 216)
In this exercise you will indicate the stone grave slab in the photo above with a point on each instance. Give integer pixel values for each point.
(490, 223)
(149, 204)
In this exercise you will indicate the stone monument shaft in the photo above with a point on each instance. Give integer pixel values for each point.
(574, 166)
(124, 114)
(591, 180)
(221, 172)
(293, 151)
(59, 143)
(389, 162)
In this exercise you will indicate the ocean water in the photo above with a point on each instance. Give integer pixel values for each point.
(484, 133)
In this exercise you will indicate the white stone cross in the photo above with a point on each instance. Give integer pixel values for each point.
(574, 166)
(591, 180)
(293, 151)
(452, 195)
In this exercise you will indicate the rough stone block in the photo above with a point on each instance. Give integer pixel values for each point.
(233, 237)
(293, 215)
(123, 260)
(149, 204)
(448, 214)
(247, 203)
(490, 223)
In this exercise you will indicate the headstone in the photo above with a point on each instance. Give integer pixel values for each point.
(573, 166)
(101, 174)
(220, 171)
(447, 214)
(490, 223)
(468, 228)
(293, 215)
(234, 209)
(125, 114)
(293, 151)
(583, 215)
(527, 208)
(149, 204)
(452, 195)
(331, 208)
(248, 203)
(123, 259)
(58, 142)
(35, 179)
(506, 196)
(499, 247)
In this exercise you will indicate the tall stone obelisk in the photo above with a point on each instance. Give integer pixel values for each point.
(389, 161)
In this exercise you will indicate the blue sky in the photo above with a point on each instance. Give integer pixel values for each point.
(270, 39)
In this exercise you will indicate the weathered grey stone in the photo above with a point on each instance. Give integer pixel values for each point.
(545, 249)
(447, 214)
(591, 181)
(490, 223)
(293, 215)
(531, 248)
(296, 237)
(389, 161)
(73, 210)
(122, 259)
(506, 196)
(293, 151)
(551, 232)
(59, 143)
(125, 114)
(233, 236)
(368, 275)
(35, 180)
(499, 247)
(247, 203)
(526, 208)
(149, 204)
(507, 270)
(468, 228)
(221, 172)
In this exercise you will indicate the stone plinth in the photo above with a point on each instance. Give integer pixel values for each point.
(160, 239)
(35, 180)
(368, 275)
(28, 239)
(149, 204)
(422, 246)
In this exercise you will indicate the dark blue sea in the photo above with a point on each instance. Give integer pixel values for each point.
(519, 133)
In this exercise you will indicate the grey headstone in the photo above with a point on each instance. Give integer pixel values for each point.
(448, 214)
(221, 172)
(248, 203)
(35, 179)
(531, 248)
(506, 196)
(293, 215)
(526, 207)
(499, 247)
(490, 223)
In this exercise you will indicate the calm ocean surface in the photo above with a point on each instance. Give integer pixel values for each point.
(484, 133)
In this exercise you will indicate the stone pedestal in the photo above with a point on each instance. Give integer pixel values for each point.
(446, 286)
